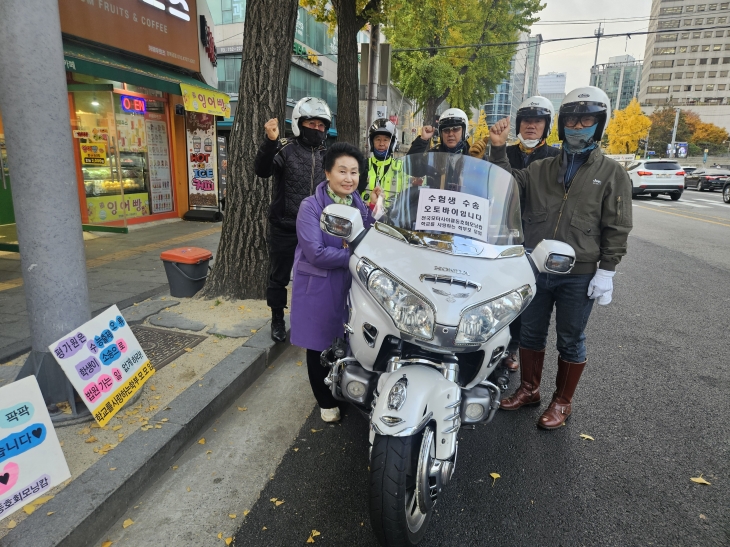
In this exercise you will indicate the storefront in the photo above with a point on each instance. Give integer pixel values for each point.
(129, 94)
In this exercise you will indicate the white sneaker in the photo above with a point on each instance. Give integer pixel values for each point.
(330, 414)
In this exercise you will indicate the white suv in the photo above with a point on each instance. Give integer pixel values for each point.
(656, 177)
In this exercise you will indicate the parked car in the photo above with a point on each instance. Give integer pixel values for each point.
(688, 169)
(656, 177)
(726, 191)
(707, 179)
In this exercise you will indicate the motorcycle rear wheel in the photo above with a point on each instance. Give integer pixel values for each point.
(395, 515)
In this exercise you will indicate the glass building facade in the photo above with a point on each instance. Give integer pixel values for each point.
(619, 78)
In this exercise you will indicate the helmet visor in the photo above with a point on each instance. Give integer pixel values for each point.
(533, 112)
(582, 107)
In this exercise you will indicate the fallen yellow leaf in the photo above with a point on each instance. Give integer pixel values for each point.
(229, 540)
(107, 543)
(127, 523)
(116, 428)
(42, 500)
(264, 528)
(242, 408)
(586, 437)
(208, 451)
(299, 363)
(494, 476)
(310, 539)
(278, 503)
(315, 533)
(188, 349)
(174, 467)
(699, 480)
(91, 439)
(241, 307)
(49, 513)
(12, 524)
(112, 469)
(232, 515)
(84, 431)
(253, 330)
(273, 499)
(220, 535)
(246, 512)
(315, 430)
(296, 450)
(188, 489)
(29, 509)
(153, 388)
(158, 426)
(202, 441)
(165, 420)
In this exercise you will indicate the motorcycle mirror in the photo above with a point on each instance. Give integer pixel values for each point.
(341, 221)
(551, 256)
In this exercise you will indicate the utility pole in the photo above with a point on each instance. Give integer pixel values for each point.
(646, 144)
(672, 153)
(373, 70)
(35, 110)
(597, 33)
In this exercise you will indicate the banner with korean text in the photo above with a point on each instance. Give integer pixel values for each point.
(104, 362)
(205, 101)
(452, 212)
(31, 459)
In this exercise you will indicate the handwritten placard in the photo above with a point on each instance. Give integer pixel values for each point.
(104, 362)
(31, 459)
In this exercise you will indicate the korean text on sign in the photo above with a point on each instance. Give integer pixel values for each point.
(104, 362)
(452, 212)
(31, 459)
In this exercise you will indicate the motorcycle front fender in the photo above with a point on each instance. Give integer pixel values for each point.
(429, 397)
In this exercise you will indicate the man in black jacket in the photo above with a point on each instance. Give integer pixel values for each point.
(453, 126)
(296, 165)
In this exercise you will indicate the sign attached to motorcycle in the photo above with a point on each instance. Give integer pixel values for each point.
(453, 212)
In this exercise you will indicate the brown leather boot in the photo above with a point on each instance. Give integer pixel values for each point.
(528, 393)
(512, 362)
(560, 407)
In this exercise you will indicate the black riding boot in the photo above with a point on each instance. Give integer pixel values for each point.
(278, 327)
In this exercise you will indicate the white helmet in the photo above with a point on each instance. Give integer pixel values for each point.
(382, 126)
(310, 107)
(453, 117)
(585, 100)
(536, 107)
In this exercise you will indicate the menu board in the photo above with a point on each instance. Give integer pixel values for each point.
(131, 133)
(158, 158)
(202, 172)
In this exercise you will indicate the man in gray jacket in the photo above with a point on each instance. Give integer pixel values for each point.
(584, 199)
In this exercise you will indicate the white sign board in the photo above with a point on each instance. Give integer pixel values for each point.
(381, 111)
(104, 362)
(622, 157)
(452, 212)
(31, 459)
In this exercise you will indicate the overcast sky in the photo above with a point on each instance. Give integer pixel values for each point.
(577, 60)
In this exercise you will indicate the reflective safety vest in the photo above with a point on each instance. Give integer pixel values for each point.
(390, 181)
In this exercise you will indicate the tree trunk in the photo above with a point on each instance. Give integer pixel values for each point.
(242, 263)
(429, 109)
(348, 90)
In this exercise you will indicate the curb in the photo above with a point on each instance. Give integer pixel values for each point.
(16, 349)
(95, 500)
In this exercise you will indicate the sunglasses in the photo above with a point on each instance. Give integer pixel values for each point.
(586, 120)
(453, 129)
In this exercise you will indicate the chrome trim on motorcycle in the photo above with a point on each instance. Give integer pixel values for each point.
(449, 370)
(453, 429)
(436, 278)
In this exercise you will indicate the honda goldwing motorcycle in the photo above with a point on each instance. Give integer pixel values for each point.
(436, 282)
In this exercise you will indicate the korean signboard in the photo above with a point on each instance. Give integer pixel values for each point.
(94, 153)
(158, 29)
(159, 164)
(104, 362)
(452, 212)
(205, 101)
(202, 172)
(117, 207)
(31, 459)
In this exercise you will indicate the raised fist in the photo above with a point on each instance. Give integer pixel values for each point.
(499, 131)
(427, 132)
(272, 129)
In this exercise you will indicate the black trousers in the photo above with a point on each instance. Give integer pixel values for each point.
(282, 244)
(317, 374)
(514, 331)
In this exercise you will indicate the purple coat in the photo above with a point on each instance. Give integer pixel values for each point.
(321, 275)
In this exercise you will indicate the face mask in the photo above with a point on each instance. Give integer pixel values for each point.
(529, 143)
(458, 149)
(579, 140)
(380, 155)
(312, 137)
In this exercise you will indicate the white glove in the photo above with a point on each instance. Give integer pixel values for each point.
(601, 287)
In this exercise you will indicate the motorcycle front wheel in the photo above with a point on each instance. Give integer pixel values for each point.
(398, 517)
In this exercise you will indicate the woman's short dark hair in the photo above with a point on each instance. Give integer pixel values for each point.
(339, 149)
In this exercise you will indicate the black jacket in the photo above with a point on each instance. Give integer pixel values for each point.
(420, 146)
(297, 170)
(518, 160)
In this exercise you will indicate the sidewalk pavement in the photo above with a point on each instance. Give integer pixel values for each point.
(112, 466)
(122, 269)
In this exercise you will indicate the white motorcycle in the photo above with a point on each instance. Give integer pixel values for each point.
(436, 282)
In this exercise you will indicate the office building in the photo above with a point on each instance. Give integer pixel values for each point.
(552, 87)
(619, 78)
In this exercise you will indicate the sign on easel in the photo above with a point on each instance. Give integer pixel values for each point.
(104, 362)
(31, 459)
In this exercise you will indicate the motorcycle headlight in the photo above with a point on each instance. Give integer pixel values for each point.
(410, 313)
(479, 323)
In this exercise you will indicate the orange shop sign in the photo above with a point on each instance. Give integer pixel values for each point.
(158, 29)
(205, 101)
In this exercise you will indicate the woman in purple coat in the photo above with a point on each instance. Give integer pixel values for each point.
(321, 269)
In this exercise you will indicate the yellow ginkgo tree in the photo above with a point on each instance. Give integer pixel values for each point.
(481, 129)
(553, 137)
(625, 129)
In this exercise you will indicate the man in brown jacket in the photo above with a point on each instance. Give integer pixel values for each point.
(584, 199)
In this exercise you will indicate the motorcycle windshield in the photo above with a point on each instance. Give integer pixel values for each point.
(452, 197)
